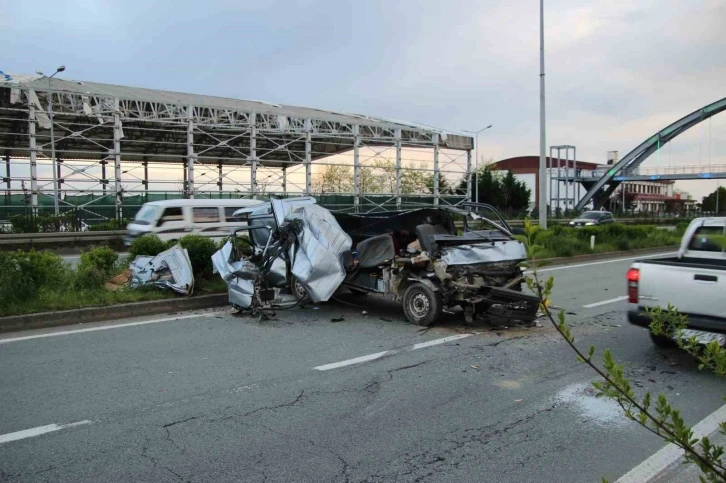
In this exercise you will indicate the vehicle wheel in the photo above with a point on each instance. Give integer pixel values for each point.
(298, 290)
(357, 293)
(421, 304)
(662, 341)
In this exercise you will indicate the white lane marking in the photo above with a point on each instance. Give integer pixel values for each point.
(105, 327)
(614, 260)
(32, 432)
(605, 302)
(422, 345)
(378, 355)
(660, 461)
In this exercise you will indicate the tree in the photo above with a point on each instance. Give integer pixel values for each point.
(503, 191)
(709, 202)
(333, 179)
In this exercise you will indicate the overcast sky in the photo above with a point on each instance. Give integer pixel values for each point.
(617, 71)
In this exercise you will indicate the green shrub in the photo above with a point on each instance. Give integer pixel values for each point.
(150, 245)
(95, 268)
(200, 249)
(24, 274)
(101, 258)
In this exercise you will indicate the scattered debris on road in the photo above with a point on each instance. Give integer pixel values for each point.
(337, 319)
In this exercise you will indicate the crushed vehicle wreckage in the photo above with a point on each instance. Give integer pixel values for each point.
(430, 259)
(170, 269)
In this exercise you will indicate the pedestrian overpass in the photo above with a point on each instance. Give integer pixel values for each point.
(602, 183)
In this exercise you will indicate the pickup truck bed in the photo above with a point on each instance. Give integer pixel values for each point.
(694, 286)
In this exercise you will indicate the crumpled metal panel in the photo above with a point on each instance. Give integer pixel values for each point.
(169, 269)
(239, 275)
(318, 263)
(483, 253)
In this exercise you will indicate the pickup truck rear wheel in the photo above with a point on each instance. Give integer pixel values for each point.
(421, 304)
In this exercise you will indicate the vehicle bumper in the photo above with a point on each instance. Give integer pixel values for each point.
(637, 316)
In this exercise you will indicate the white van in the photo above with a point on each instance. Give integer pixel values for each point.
(172, 219)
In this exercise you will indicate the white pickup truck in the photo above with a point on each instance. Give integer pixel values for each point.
(694, 282)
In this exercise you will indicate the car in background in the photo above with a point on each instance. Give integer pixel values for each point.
(172, 219)
(592, 218)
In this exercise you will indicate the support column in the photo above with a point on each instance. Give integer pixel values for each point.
(551, 175)
(398, 168)
(559, 181)
(59, 177)
(191, 156)
(308, 158)
(145, 182)
(468, 174)
(7, 179)
(104, 180)
(356, 169)
(284, 179)
(33, 162)
(219, 169)
(436, 170)
(253, 155)
(117, 135)
(567, 178)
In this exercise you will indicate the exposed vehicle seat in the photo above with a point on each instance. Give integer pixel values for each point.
(425, 235)
(375, 251)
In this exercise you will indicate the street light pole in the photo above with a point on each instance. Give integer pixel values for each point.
(476, 161)
(542, 138)
(56, 207)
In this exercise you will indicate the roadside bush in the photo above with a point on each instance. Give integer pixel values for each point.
(95, 267)
(101, 258)
(200, 249)
(150, 245)
(24, 274)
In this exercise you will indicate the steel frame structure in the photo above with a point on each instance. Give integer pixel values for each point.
(254, 148)
(601, 190)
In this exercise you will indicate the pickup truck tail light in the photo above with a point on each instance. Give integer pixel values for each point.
(633, 277)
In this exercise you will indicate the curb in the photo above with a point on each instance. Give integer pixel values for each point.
(607, 255)
(112, 312)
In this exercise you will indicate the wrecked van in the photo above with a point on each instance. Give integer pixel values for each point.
(429, 259)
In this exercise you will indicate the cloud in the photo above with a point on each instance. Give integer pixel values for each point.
(617, 71)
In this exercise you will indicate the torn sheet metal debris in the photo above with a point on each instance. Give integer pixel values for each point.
(239, 275)
(169, 269)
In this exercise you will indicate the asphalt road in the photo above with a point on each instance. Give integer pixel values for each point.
(217, 397)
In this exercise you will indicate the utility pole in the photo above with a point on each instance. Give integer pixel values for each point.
(542, 138)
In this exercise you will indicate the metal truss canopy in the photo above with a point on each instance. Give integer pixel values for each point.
(620, 171)
(155, 124)
(73, 129)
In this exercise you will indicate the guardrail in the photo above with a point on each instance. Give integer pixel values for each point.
(61, 237)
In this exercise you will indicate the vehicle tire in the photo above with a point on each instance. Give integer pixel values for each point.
(421, 304)
(357, 293)
(662, 341)
(298, 290)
